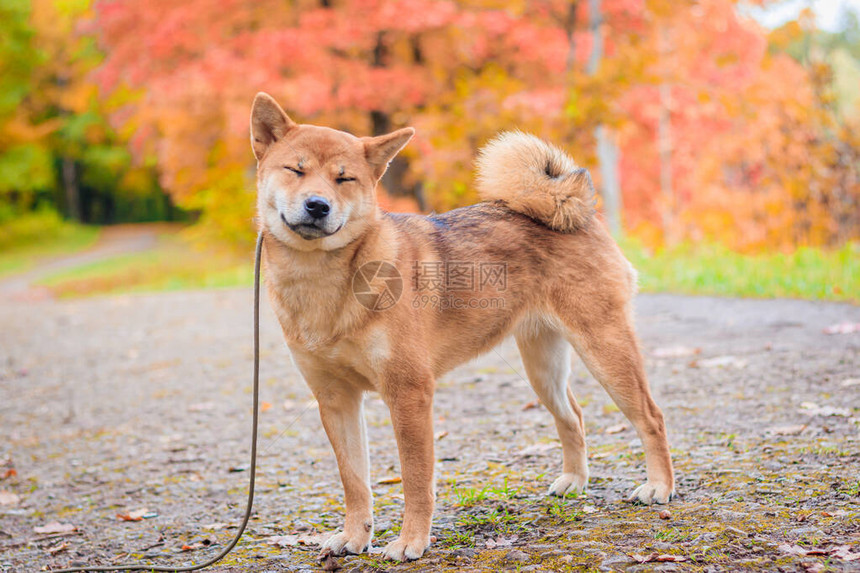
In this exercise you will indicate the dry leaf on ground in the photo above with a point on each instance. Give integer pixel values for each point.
(219, 526)
(501, 542)
(59, 548)
(327, 560)
(295, 539)
(616, 429)
(722, 362)
(843, 328)
(675, 351)
(657, 557)
(844, 553)
(136, 515)
(9, 498)
(390, 480)
(195, 546)
(56, 527)
(786, 430)
(812, 409)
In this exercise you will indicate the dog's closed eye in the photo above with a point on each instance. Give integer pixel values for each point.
(340, 180)
(298, 172)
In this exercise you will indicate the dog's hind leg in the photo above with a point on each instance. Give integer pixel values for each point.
(607, 344)
(546, 356)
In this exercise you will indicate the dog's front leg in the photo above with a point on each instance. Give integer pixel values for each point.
(342, 416)
(411, 405)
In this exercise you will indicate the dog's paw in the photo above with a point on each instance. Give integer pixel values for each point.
(649, 493)
(568, 484)
(403, 549)
(342, 543)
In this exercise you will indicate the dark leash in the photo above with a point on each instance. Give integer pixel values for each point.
(232, 544)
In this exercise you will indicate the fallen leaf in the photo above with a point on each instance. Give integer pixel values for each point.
(665, 514)
(293, 539)
(531, 405)
(671, 558)
(616, 429)
(390, 480)
(850, 382)
(818, 552)
(440, 435)
(9, 498)
(844, 553)
(11, 472)
(313, 538)
(136, 515)
(812, 409)
(657, 557)
(791, 549)
(722, 362)
(237, 469)
(194, 546)
(283, 540)
(265, 406)
(56, 527)
(501, 542)
(536, 449)
(843, 328)
(675, 352)
(218, 526)
(59, 548)
(837, 513)
(786, 430)
(327, 560)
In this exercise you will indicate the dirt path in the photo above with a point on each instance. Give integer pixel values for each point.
(113, 241)
(112, 405)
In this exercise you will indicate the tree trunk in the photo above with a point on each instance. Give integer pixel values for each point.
(70, 186)
(393, 180)
(607, 156)
(607, 150)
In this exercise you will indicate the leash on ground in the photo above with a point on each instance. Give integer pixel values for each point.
(253, 472)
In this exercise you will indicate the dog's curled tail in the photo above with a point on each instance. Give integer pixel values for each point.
(537, 179)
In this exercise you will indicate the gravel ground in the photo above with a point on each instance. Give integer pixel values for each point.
(111, 406)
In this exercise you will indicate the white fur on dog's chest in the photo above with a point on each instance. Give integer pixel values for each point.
(364, 354)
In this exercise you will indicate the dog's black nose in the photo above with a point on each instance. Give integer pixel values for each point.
(317, 207)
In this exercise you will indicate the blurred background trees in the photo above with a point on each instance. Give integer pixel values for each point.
(710, 126)
(58, 150)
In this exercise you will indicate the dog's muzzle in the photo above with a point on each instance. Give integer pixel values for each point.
(310, 227)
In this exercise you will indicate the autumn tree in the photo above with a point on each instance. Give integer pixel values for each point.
(702, 112)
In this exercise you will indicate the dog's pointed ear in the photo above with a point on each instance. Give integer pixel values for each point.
(269, 123)
(380, 150)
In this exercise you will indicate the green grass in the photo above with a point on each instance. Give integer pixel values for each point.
(174, 264)
(27, 239)
(469, 496)
(704, 269)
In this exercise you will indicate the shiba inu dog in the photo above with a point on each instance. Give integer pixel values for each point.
(375, 301)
